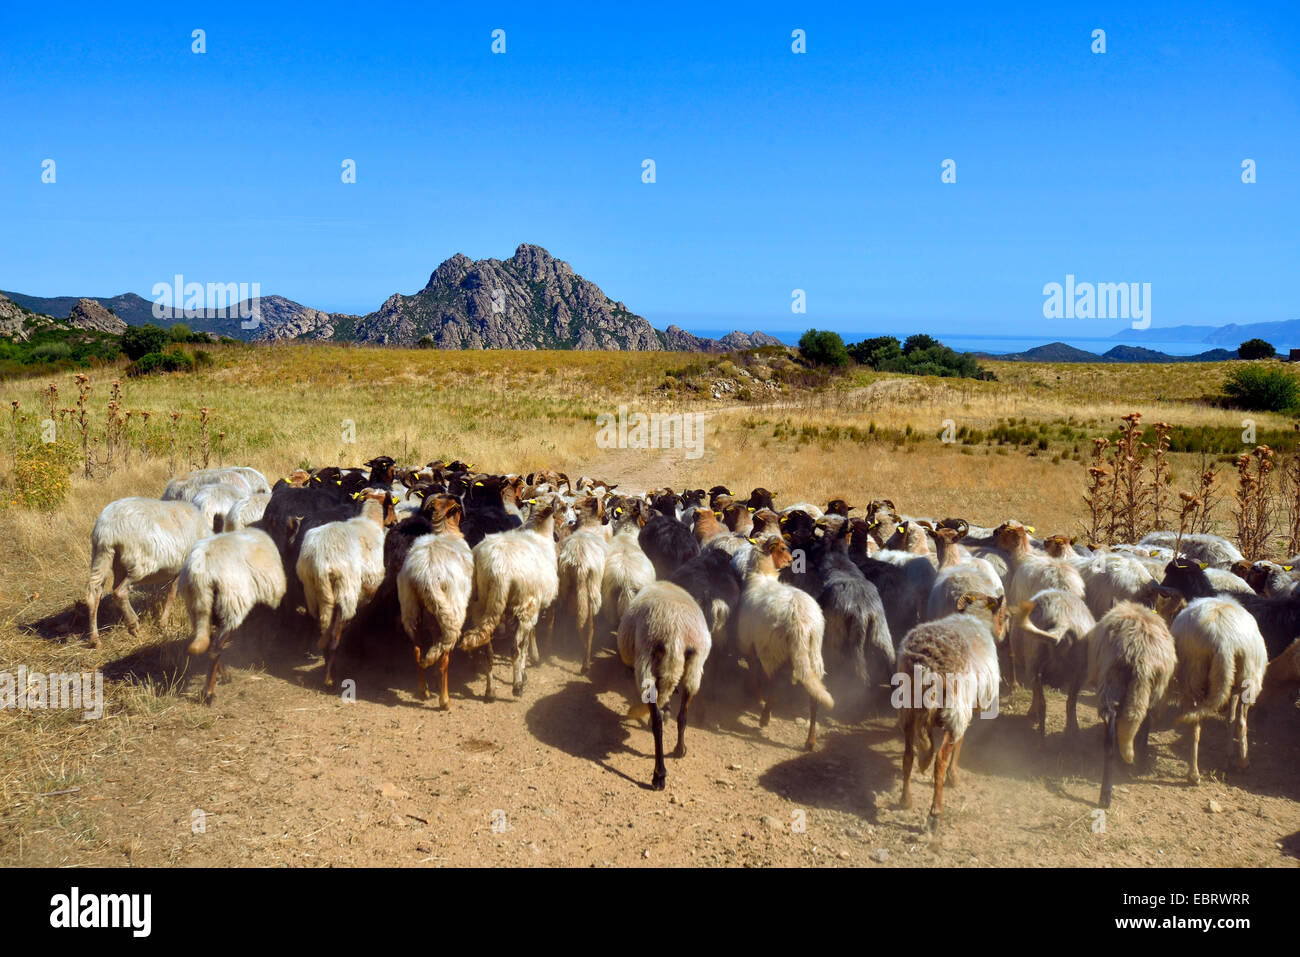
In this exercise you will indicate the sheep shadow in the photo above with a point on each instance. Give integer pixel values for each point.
(73, 622)
(844, 774)
(573, 720)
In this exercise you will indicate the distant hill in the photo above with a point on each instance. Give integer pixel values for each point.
(1061, 352)
(1283, 335)
(529, 301)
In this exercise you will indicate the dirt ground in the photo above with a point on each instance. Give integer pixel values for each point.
(279, 772)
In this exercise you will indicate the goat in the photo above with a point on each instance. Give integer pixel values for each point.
(1221, 661)
(957, 656)
(778, 623)
(434, 587)
(224, 577)
(664, 638)
(1131, 659)
(139, 541)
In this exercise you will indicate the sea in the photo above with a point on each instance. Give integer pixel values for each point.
(999, 345)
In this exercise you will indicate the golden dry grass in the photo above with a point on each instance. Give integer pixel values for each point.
(280, 407)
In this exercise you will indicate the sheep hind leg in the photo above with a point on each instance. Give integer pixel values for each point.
(166, 611)
(1108, 761)
(522, 646)
(680, 750)
(218, 646)
(444, 699)
(1243, 751)
(332, 637)
(811, 743)
(952, 765)
(940, 772)
(1143, 749)
(1193, 766)
(657, 726)
(488, 657)
(909, 754)
(421, 681)
(122, 593)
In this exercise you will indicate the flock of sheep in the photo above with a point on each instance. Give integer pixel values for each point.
(692, 583)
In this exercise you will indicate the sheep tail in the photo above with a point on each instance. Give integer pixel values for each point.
(1222, 672)
(814, 686)
(493, 607)
(1136, 703)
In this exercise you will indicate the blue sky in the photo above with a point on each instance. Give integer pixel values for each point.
(775, 171)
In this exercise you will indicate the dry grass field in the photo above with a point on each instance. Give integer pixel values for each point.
(284, 773)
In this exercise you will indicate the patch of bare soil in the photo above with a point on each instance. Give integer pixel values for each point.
(278, 772)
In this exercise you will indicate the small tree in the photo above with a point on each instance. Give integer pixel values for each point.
(823, 348)
(1256, 349)
(138, 341)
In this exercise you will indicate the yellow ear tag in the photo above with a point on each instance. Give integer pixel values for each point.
(1286, 568)
(751, 508)
(315, 478)
(753, 541)
(531, 501)
(1203, 564)
(1029, 528)
(717, 515)
(478, 483)
(338, 482)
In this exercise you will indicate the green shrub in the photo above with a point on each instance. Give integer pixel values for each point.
(140, 341)
(1262, 389)
(823, 348)
(174, 360)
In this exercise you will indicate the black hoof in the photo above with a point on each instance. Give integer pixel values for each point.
(679, 751)
(518, 689)
(1104, 800)
(657, 783)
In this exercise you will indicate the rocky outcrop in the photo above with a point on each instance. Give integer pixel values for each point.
(89, 314)
(17, 323)
(530, 301)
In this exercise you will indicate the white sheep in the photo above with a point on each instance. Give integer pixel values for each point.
(514, 573)
(341, 565)
(1049, 633)
(580, 565)
(246, 511)
(1031, 572)
(627, 568)
(139, 541)
(1211, 549)
(434, 587)
(664, 639)
(184, 487)
(224, 577)
(1110, 579)
(779, 623)
(1221, 661)
(215, 502)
